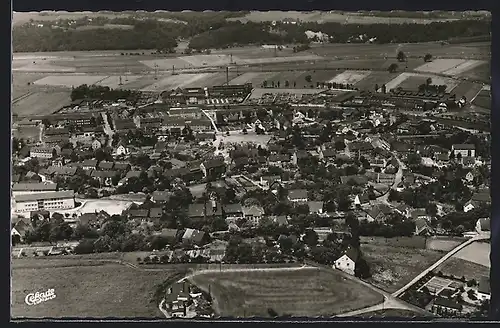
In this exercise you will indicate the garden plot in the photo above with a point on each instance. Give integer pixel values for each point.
(478, 252)
(70, 80)
(463, 67)
(166, 63)
(42, 68)
(209, 60)
(256, 78)
(440, 65)
(114, 81)
(349, 77)
(270, 60)
(436, 80)
(174, 82)
(437, 284)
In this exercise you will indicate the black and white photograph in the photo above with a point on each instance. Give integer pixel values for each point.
(221, 165)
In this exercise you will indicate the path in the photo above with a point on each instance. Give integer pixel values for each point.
(397, 180)
(438, 263)
(107, 128)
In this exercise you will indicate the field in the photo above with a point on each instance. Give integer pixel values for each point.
(460, 268)
(393, 267)
(413, 80)
(106, 26)
(483, 99)
(445, 244)
(467, 89)
(177, 81)
(257, 93)
(391, 313)
(235, 137)
(375, 77)
(350, 77)
(317, 16)
(303, 292)
(477, 252)
(70, 80)
(41, 103)
(85, 288)
(256, 78)
(481, 73)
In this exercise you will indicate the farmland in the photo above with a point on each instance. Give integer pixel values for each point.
(70, 80)
(257, 93)
(460, 268)
(391, 313)
(349, 77)
(393, 267)
(443, 244)
(303, 292)
(481, 73)
(375, 78)
(467, 89)
(483, 99)
(477, 252)
(85, 288)
(413, 80)
(42, 102)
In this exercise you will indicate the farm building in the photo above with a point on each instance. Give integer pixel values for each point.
(446, 306)
(43, 152)
(298, 196)
(347, 262)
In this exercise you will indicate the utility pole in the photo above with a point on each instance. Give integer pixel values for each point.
(227, 75)
(173, 69)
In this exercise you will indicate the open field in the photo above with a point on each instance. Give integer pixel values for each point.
(391, 313)
(114, 81)
(467, 89)
(177, 81)
(105, 26)
(304, 292)
(212, 79)
(317, 16)
(41, 103)
(393, 267)
(256, 78)
(440, 65)
(480, 73)
(477, 252)
(350, 77)
(70, 80)
(369, 82)
(413, 82)
(85, 288)
(27, 133)
(483, 99)
(444, 244)
(460, 268)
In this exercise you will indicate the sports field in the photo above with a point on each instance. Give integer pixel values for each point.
(304, 292)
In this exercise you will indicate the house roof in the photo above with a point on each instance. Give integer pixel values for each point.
(361, 146)
(155, 212)
(415, 214)
(196, 210)
(358, 179)
(122, 166)
(481, 197)
(352, 253)
(364, 198)
(169, 233)
(233, 209)
(141, 213)
(315, 206)
(420, 224)
(297, 194)
(485, 224)
(193, 235)
(90, 162)
(45, 195)
(484, 285)
(463, 147)
(279, 158)
(103, 174)
(133, 174)
(34, 187)
(213, 163)
(87, 217)
(445, 302)
(331, 152)
(253, 210)
(161, 196)
(468, 160)
(106, 165)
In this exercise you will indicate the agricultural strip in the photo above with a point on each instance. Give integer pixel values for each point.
(478, 252)
(256, 78)
(436, 80)
(70, 80)
(349, 77)
(440, 65)
(460, 268)
(304, 292)
(38, 103)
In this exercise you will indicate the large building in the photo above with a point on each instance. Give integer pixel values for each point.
(30, 188)
(49, 201)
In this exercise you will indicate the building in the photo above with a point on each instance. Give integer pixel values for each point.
(484, 289)
(233, 212)
(30, 188)
(213, 168)
(465, 150)
(194, 237)
(279, 160)
(56, 200)
(478, 199)
(121, 150)
(483, 225)
(361, 200)
(43, 152)
(298, 196)
(444, 306)
(347, 262)
(253, 214)
(315, 207)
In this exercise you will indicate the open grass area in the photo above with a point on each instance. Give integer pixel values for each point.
(375, 77)
(85, 288)
(460, 268)
(42, 102)
(305, 292)
(468, 89)
(393, 267)
(443, 244)
(477, 252)
(483, 99)
(481, 73)
(391, 313)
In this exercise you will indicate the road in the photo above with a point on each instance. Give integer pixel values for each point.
(397, 180)
(438, 263)
(107, 128)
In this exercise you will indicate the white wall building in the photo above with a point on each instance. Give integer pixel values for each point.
(50, 201)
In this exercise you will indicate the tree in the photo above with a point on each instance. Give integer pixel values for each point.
(376, 88)
(308, 78)
(427, 57)
(287, 84)
(428, 81)
(384, 89)
(401, 56)
(392, 68)
(362, 269)
(264, 84)
(311, 238)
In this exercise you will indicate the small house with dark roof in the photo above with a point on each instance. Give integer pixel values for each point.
(106, 166)
(160, 197)
(213, 168)
(421, 227)
(446, 306)
(362, 200)
(484, 288)
(122, 167)
(233, 212)
(347, 262)
(315, 207)
(279, 160)
(298, 196)
(478, 199)
(89, 164)
(300, 155)
(171, 235)
(194, 237)
(483, 225)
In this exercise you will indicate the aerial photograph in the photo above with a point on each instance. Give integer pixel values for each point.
(236, 165)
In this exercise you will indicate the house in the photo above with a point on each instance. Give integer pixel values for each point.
(443, 305)
(478, 199)
(89, 164)
(233, 212)
(404, 210)
(253, 213)
(30, 188)
(43, 152)
(421, 227)
(281, 220)
(469, 177)
(315, 207)
(122, 167)
(484, 288)
(160, 197)
(464, 150)
(96, 144)
(32, 177)
(64, 171)
(20, 229)
(133, 174)
(267, 181)
(328, 155)
(213, 209)
(300, 155)
(468, 161)
(347, 262)
(298, 196)
(213, 168)
(361, 200)
(105, 177)
(216, 250)
(106, 166)
(279, 160)
(483, 225)
(171, 235)
(196, 211)
(379, 212)
(121, 150)
(194, 237)
(419, 213)
(359, 180)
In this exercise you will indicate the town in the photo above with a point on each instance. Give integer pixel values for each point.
(382, 189)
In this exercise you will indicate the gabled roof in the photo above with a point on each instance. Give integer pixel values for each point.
(122, 166)
(141, 213)
(279, 158)
(331, 152)
(161, 196)
(233, 209)
(315, 206)
(106, 165)
(155, 212)
(352, 253)
(481, 197)
(34, 187)
(169, 233)
(463, 147)
(213, 163)
(103, 174)
(196, 210)
(297, 194)
(485, 224)
(90, 162)
(133, 174)
(253, 210)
